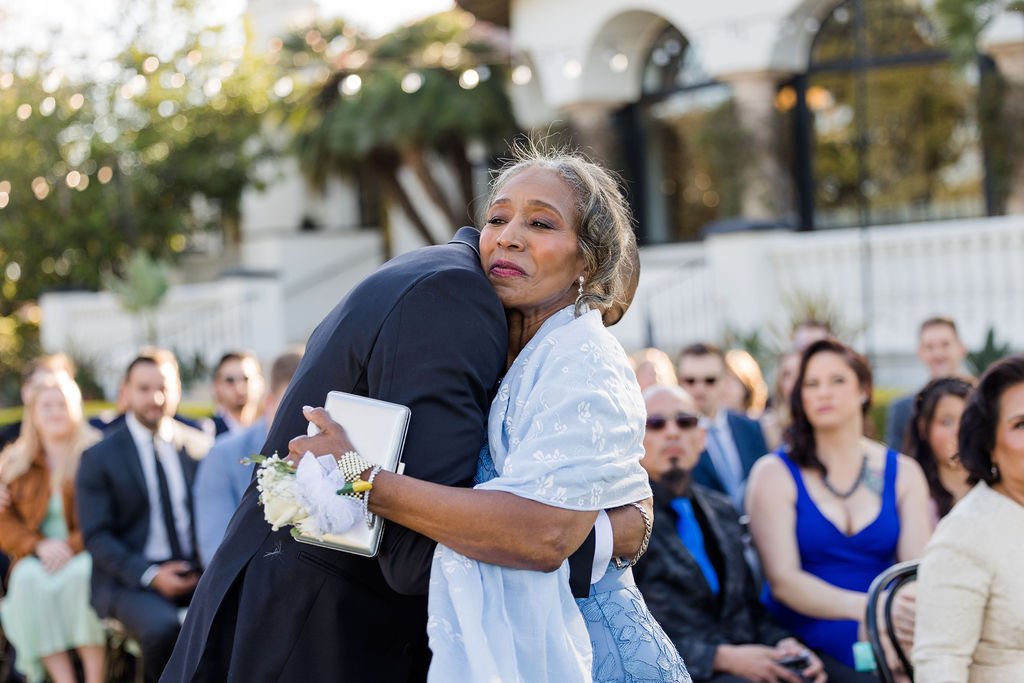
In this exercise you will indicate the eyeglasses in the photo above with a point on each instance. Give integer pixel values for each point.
(710, 381)
(656, 423)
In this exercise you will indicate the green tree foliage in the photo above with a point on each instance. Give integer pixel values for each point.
(919, 119)
(989, 353)
(964, 20)
(97, 163)
(406, 100)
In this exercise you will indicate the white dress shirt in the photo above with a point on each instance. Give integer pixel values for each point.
(158, 547)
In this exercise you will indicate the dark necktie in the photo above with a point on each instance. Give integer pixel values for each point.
(166, 509)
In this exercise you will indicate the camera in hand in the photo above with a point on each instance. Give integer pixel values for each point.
(795, 662)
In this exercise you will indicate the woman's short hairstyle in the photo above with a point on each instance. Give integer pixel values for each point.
(802, 447)
(604, 223)
(917, 445)
(981, 417)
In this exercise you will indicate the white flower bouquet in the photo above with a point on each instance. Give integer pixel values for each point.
(311, 497)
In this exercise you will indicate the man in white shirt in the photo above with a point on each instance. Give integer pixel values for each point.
(134, 499)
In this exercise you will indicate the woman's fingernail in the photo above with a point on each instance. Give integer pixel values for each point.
(307, 409)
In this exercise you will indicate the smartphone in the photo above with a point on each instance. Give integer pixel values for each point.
(795, 662)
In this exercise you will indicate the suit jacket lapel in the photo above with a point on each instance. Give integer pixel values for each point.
(730, 564)
(132, 462)
(743, 447)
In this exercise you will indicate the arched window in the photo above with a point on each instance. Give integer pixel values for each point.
(886, 126)
(675, 144)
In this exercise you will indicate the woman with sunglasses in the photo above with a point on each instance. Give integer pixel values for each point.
(833, 509)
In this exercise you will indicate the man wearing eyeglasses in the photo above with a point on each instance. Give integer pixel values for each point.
(694, 576)
(237, 391)
(734, 441)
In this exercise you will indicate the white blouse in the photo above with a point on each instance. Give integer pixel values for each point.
(970, 594)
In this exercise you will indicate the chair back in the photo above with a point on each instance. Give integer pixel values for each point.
(884, 588)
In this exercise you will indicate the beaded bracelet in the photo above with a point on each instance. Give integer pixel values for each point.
(351, 465)
(368, 516)
(648, 527)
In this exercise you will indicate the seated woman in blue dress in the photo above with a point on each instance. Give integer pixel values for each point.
(46, 611)
(565, 430)
(832, 509)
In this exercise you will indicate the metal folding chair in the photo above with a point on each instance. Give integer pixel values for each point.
(884, 588)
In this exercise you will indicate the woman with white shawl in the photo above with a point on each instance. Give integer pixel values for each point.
(565, 431)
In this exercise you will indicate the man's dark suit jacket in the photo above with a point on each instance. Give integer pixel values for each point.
(113, 510)
(897, 420)
(679, 596)
(426, 330)
(750, 444)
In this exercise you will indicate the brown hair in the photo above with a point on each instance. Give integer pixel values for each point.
(980, 420)
(802, 447)
(917, 445)
(938, 321)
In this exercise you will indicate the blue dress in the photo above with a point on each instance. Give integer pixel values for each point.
(849, 562)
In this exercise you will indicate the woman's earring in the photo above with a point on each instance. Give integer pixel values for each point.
(579, 297)
(995, 471)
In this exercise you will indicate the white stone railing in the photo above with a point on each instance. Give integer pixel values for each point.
(970, 270)
(298, 279)
(201, 320)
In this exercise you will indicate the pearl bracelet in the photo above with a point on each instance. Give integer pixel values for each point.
(351, 465)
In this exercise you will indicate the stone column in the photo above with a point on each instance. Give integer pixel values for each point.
(767, 187)
(592, 129)
(1003, 40)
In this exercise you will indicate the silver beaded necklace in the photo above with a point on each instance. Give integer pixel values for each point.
(856, 482)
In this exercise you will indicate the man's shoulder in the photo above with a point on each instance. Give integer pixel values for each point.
(239, 444)
(717, 502)
(901, 404)
(115, 440)
(740, 422)
(739, 418)
(447, 275)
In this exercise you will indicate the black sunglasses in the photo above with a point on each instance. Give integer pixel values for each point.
(683, 421)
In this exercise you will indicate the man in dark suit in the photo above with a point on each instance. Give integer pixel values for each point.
(237, 389)
(172, 392)
(734, 441)
(134, 499)
(694, 576)
(426, 330)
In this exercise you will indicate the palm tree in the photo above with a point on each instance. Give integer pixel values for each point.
(413, 104)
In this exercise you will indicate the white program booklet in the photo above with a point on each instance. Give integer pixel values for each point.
(377, 430)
